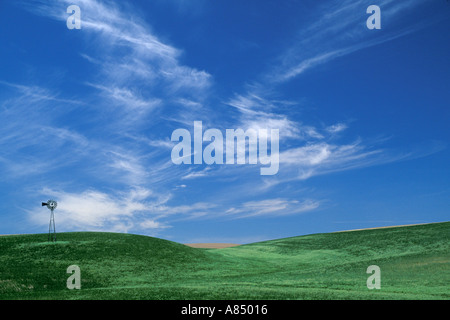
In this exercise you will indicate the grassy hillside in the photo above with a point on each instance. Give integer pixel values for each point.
(414, 263)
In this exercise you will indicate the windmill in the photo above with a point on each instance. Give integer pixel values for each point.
(51, 204)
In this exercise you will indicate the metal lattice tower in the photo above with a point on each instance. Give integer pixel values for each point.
(51, 204)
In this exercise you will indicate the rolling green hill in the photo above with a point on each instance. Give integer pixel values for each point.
(414, 263)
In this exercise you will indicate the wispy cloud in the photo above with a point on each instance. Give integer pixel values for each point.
(125, 98)
(339, 30)
(197, 173)
(335, 128)
(314, 159)
(272, 207)
(135, 77)
(257, 112)
(137, 70)
(310, 151)
(31, 139)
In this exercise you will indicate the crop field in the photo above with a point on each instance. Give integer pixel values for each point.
(414, 263)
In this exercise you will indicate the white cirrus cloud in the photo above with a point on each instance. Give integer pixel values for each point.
(272, 207)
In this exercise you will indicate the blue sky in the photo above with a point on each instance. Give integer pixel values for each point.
(87, 116)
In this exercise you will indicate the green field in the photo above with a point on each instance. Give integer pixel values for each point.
(414, 263)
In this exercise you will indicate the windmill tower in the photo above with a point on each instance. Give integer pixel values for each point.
(51, 204)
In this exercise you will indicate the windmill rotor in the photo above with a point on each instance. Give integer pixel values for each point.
(51, 204)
